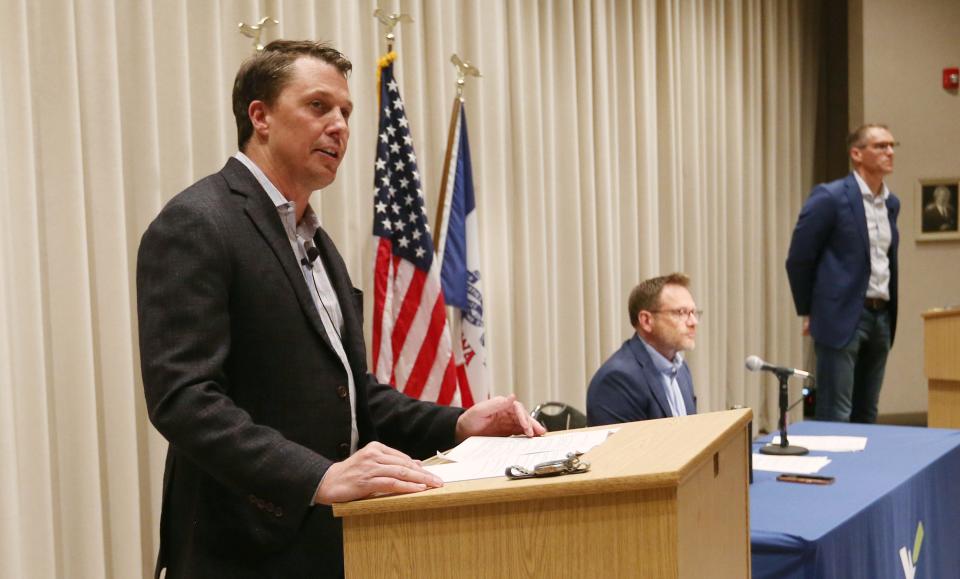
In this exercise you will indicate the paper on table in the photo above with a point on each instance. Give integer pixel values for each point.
(792, 464)
(486, 456)
(827, 443)
(483, 447)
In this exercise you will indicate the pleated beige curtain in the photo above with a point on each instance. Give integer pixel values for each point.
(612, 141)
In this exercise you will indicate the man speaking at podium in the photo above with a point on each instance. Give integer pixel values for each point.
(647, 377)
(252, 351)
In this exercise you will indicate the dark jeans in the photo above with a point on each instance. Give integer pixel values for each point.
(849, 378)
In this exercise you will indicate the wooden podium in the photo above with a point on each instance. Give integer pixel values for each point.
(941, 365)
(664, 498)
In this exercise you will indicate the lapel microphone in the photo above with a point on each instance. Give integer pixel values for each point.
(312, 254)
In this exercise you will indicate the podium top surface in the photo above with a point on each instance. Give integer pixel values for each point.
(640, 455)
(941, 312)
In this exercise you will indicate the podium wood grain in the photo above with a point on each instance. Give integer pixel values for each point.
(664, 498)
(941, 365)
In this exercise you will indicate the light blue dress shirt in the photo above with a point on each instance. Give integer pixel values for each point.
(668, 376)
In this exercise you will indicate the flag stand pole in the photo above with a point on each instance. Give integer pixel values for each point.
(464, 69)
(442, 198)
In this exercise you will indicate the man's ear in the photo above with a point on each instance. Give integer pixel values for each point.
(856, 154)
(259, 117)
(643, 321)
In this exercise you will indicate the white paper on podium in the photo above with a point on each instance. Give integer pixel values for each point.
(826, 443)
(488, 456)
(791, 464)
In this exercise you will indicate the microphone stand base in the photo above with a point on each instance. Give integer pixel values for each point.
(783, 450)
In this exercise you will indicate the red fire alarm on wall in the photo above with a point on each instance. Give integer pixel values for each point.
(951, 78)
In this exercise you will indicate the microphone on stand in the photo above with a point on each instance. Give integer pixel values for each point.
(755, 364)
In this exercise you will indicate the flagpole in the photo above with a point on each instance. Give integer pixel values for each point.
(382, 252)
(442, 199)
(390, 21)
(463, 70)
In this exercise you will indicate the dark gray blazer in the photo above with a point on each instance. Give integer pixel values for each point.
(628, 388)
(241, 379)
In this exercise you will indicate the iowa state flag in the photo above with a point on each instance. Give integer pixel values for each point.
(458, 249)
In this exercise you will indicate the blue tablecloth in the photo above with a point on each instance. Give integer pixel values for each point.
(856, 527)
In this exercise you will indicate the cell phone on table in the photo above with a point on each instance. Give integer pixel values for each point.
(810, 479)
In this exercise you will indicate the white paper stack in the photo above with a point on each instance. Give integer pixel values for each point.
(791, 464)
(827, 443)
(490, 456)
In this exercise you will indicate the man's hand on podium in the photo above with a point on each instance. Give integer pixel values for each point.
(374, 470)
(498, 416)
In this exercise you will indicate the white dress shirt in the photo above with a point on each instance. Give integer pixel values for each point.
(878, 230)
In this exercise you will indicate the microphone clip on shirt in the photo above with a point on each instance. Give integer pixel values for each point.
(312, 254)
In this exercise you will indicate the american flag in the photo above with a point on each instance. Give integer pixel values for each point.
(411, 341)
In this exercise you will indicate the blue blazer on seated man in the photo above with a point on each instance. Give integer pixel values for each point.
(647, 377)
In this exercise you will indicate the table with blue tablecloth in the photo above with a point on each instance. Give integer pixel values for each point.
(867, 523)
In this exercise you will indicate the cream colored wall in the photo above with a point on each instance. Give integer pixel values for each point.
(905, 47)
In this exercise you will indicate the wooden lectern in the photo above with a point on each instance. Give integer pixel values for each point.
(941, 365)
(663, 498)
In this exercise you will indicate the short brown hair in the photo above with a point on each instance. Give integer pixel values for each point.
(859, 134)
(262, 76)
(646, 296)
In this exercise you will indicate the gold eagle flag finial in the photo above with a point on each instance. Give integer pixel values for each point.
(391, 21)
(464, 69)
(255, 31)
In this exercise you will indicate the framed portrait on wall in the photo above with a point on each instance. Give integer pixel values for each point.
(937, 203)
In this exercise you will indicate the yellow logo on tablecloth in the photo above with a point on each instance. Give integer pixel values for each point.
(909, 558)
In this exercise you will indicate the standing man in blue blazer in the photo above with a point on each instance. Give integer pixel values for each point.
(647, 377)
(842, 266)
